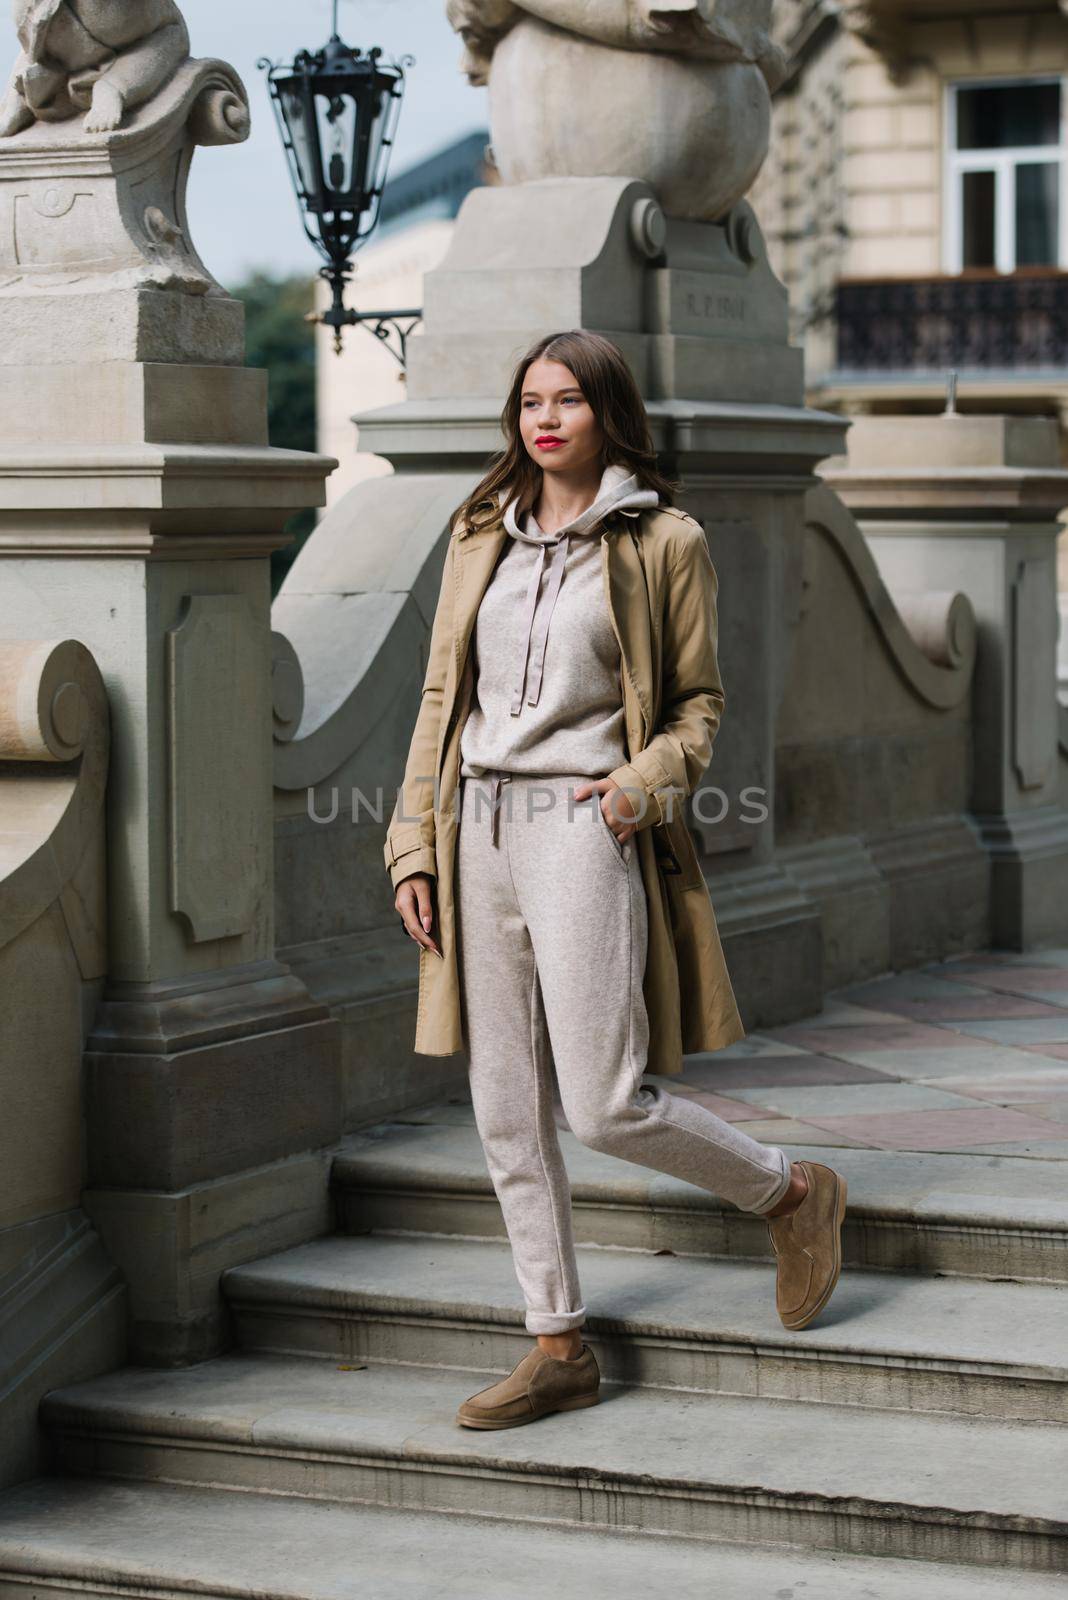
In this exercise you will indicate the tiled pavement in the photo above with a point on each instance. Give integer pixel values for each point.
(965, 1055)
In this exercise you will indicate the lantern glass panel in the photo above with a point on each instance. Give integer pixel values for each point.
(296, 105)
(378, 152)
(337, 117)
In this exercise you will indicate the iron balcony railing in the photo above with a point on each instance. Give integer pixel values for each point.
(979, 320)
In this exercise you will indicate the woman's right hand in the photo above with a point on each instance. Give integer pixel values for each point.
(414, 905)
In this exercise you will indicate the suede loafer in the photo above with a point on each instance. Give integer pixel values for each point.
(808, 1247)
(538, 1384)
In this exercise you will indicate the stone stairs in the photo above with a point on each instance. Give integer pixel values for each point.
(909, 1444)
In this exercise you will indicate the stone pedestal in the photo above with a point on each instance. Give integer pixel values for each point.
(139, 506)
(970, 503)
(702, 320)
(206, 1057)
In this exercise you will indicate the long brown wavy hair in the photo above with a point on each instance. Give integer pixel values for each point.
(608, 385)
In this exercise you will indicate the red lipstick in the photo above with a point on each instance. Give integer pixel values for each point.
(549, 441)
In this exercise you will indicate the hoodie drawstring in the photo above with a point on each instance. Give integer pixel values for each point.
(533, 650)
(496, 779)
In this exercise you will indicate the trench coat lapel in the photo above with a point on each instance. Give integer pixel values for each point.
(476, 557)
(628, 595)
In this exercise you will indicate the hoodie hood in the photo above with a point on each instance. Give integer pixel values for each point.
(619, 491)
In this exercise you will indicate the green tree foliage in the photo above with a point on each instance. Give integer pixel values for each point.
(277, 337)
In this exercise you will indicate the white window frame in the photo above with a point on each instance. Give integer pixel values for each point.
(1003, 163)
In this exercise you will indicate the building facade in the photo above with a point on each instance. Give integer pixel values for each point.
(914, 201)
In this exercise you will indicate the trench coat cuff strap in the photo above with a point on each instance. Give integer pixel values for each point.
(407, 849)
(637, 790)
(421, 860)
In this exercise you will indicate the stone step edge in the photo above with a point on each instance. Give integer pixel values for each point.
(1015, 1533)
(243, 1292)
(95, 1573)
(94, 1420)
(372, 1175)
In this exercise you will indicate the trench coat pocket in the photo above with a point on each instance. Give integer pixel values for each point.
(675, 852)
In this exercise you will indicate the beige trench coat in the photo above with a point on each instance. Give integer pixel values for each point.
(661, 589)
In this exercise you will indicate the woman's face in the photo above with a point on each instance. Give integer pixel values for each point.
(556, 423)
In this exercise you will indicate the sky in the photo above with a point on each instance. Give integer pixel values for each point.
(242, 210)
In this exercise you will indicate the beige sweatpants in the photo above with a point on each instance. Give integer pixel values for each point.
(551, 939)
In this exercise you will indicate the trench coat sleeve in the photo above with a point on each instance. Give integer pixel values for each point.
(692, 699)
(411, 832)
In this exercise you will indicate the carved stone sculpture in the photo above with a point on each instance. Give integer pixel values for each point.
(97, 131)
(676, 92)
(96, 56)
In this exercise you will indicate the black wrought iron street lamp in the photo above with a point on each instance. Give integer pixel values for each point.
(337, 111)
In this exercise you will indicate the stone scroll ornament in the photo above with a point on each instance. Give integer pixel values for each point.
(677, 92)
(97, 127)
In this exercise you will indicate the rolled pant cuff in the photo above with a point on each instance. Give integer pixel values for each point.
(555, 1321)
(781, 1187)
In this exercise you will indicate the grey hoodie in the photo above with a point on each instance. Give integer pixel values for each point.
(571, 720)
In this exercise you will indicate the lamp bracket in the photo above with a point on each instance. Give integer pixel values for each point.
(386, 326)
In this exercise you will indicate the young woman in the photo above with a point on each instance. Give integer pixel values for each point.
(542, 860)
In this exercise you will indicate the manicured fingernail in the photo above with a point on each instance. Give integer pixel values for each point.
(426, 924)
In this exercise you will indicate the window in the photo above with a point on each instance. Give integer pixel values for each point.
(1005, 175)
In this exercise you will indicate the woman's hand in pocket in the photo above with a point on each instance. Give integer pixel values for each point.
(414, 904)
(618, 813)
